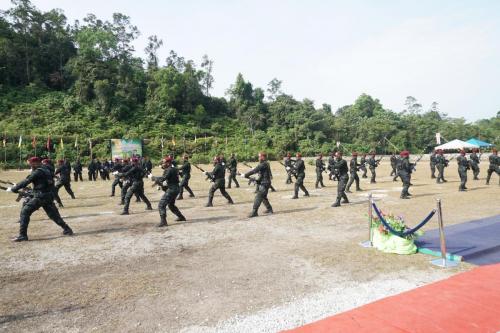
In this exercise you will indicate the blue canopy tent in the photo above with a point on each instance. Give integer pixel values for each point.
(479, 143)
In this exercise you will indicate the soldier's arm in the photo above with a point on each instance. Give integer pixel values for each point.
(253, 171)
(28, 180)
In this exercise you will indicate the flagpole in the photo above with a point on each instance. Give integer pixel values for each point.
(162, 142)
(20, 151)
(90, 143)
(5, 151)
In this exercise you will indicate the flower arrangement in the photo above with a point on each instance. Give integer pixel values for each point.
(397, 223)
(388, 242)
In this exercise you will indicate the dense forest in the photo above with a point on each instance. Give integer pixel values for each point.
(83, 80)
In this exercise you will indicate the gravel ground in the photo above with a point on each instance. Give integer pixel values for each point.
(220, 271)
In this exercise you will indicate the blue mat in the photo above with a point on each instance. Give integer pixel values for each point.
(477, 242)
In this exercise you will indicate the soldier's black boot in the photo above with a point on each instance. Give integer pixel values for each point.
(180, 218)
(345, 200)
(180, 197)
(253, 214)
(209, 203)
(163, 221)
(67, 230)
(23, 234)
(230, 201)
(125, 212)
(336, 203)
(358, 189)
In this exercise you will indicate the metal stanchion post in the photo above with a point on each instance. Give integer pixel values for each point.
(368, 243)
(442, 262)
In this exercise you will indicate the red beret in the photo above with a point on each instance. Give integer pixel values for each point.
(135, 159)
(34, 159)
(167, 159)
(404, 153)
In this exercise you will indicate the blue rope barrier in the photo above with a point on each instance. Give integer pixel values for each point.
(406, 232)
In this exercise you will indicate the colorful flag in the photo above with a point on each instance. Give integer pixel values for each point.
(20, 141)
(49, 144)
(33, 142)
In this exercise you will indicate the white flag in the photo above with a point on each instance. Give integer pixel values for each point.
(438, 138)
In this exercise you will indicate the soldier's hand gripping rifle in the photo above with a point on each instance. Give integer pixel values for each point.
(25, 193)
(289, 170)
(377, 162)
(204, 172)
(414, 164)
(251, 180)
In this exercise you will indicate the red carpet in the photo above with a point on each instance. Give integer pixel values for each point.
(467, 302)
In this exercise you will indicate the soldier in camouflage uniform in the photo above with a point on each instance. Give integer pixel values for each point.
(463, 166)
(232, 166)
(394, 160)
(185, 173)
(299, 171)
(320, 167)
(474, 161)
(441, 163)
(373, 164)
(218, 178)
(353, 170)
(494, 165)
(169, 183)
(362, 166)
(341, 170)
(43, 197)
(405, 168)
(289, 163)
(432, 164)
(263, 184)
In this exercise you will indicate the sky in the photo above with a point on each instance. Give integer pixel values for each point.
(446, 51)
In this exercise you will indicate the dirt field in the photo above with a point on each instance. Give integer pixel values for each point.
(219, 271)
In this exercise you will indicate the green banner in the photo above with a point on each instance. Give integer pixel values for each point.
(122, 148)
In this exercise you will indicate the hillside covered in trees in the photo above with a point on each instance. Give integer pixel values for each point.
(84, 80)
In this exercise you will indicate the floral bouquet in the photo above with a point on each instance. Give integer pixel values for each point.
(387, 242)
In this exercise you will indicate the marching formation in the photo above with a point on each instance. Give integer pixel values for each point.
(41, 187)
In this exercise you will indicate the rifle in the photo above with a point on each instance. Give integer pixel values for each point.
(247, 165)
(197, 167)
(26, 193)
(289, 171)
(378, 161)
(7, 182)
(414, 164)
(201, 169)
